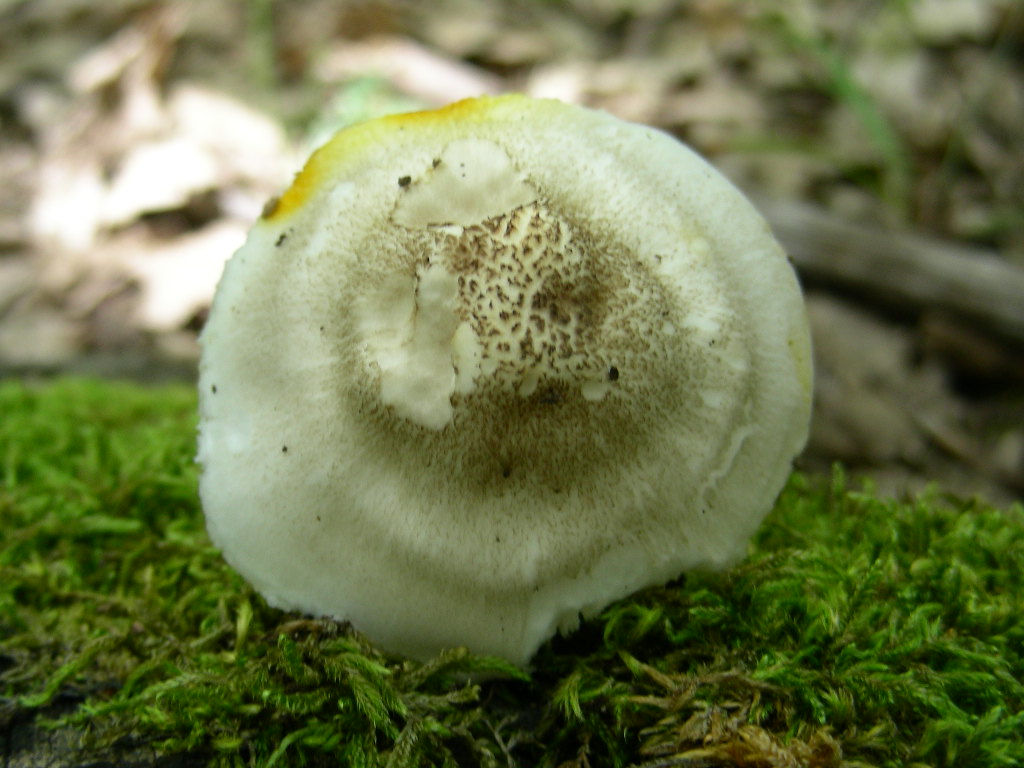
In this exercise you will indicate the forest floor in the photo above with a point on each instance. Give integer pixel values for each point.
(139, 140)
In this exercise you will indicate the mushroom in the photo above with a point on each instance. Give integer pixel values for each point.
(485, 369)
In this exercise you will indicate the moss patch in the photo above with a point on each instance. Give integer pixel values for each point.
(860, 631)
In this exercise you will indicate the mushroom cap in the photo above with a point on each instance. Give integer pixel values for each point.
(487, 368)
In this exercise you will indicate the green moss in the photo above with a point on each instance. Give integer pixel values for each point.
(860, 631)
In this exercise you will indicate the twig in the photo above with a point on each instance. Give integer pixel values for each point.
(904, 270)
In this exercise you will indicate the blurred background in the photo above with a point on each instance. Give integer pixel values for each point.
(883, 140)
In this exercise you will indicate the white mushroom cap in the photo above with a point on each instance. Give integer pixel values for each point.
(486, 368)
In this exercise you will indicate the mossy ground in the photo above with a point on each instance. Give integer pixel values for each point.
(860, 631)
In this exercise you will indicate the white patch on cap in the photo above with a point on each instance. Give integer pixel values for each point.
(409, 327)
(472, 180)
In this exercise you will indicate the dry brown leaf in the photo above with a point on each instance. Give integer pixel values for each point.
(178, 279)
(410, 67)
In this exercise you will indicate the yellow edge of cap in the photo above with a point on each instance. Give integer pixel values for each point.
(327, 161)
